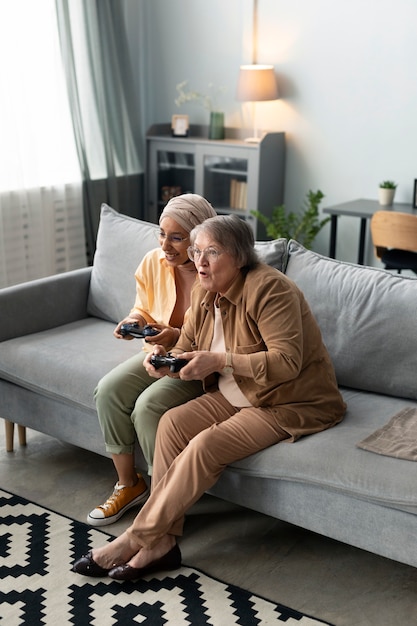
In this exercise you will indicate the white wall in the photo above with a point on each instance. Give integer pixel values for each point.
(348, 82)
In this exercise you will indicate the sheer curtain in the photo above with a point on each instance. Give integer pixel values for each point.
(104, 106)
(41, 223)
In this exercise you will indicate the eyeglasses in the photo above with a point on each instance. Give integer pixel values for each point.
(176, 240)
(211, 254)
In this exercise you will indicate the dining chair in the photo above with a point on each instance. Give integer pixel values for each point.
(394, 237)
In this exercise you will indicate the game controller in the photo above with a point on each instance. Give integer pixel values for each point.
(137, 331)
(174, 363)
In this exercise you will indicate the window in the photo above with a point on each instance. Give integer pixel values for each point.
(37, 142)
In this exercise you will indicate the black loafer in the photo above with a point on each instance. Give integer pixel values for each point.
(171, 560)
(87, 566)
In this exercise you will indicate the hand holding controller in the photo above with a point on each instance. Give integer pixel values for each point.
(137, 331)
(174, 363)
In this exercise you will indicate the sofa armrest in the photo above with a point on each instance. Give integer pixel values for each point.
(44, 303)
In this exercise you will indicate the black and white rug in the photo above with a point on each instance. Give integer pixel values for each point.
(37, 587)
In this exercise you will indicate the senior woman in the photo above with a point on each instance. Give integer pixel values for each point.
(129, 401)
(252, 339)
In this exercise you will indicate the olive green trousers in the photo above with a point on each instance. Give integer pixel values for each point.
(130, 404)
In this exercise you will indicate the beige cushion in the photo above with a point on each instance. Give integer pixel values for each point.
(398, 438)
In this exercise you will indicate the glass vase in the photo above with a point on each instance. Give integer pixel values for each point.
(216, 128)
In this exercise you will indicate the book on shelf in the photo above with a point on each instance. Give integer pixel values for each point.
(238, 194)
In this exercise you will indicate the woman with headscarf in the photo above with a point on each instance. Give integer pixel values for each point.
(129, 401)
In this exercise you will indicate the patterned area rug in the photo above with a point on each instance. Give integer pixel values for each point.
(37, 587)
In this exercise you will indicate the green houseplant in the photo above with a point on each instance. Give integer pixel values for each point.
(302, 226)
(386, 192)
(388, 184)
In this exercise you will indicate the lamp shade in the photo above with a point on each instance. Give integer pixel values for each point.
(256, 83)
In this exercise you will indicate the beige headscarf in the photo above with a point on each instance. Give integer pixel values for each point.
(188, 210)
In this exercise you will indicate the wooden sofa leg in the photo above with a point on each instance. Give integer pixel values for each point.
(9, 435)
(21, 432)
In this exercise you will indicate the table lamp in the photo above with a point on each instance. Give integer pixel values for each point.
(256, 83)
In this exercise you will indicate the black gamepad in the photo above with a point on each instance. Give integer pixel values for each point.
(174, 363)
(137, 331)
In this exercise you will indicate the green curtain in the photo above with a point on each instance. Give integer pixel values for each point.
(104, 107)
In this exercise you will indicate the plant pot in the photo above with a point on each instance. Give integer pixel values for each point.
(216, 128)
(386, 196)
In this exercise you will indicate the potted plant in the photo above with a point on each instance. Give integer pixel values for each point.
(303, 227)
(386, 192)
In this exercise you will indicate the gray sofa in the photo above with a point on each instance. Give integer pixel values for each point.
(56, 342)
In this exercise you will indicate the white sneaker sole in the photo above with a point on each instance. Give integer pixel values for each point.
(105, 521)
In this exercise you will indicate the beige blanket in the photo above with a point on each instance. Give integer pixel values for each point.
(397, 438)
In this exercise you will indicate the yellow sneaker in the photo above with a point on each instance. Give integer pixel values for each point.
(122, 499)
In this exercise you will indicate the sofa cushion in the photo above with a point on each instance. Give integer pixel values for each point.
(367, 317)
(332, 461)
(274, 253)
(122, 242)
(66, 363)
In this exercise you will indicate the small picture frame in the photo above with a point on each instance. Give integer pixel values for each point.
(415, 194)
(180, 125)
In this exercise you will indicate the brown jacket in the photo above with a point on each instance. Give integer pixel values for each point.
(266, 316)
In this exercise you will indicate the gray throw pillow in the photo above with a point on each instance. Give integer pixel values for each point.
(274, 253)
(122, 242)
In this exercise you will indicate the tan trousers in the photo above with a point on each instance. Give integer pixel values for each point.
(194, 444)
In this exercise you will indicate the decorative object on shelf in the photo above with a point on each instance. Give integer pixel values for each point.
(386, 192)
(216, 125)
(216, 128)
(303, 227)
(180, 125)
(256, 83)
(170, 192)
